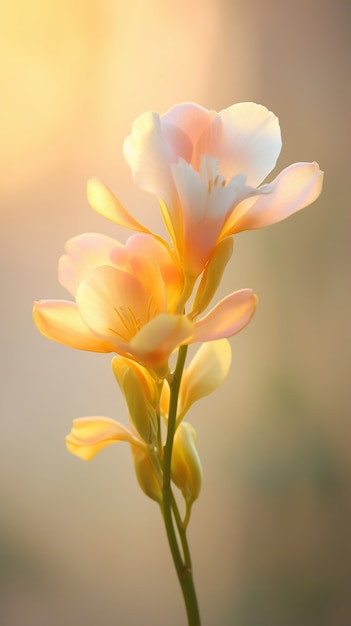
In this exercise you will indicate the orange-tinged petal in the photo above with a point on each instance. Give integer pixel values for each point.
(227, 318)
(103, 201)
(113, 304)
(61, 321)
(155, 342)
(155, 257)
(89, 435)
(293, 189)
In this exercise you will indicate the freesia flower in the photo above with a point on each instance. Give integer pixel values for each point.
(126, 301)
(206, 168)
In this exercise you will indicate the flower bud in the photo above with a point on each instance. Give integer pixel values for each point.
(212, 275)
(141, 394)
(186, 466)
(148, 476)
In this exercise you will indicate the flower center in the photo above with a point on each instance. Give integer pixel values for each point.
(129, 323)
(209, 172)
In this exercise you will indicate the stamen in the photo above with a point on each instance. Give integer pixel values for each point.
(129, 321)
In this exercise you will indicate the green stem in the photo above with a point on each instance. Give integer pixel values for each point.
(181, 527)
(182, 565)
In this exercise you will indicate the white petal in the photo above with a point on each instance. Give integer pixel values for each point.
(246, 139)
(149, 156)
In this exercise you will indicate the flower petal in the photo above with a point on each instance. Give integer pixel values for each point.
(192, 119)
(246, 139)
(155, 342)
(157, 262)
(113, 304)
(61, 321)
(133, 381)
(293, 189)
(198, 216)
(149, 155)
(103, 201)
(212, 276)
(206, 372)
(228, 317)
(89, 435)
(82, 254)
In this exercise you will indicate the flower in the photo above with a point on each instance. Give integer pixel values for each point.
(126, 300)
(206, 168)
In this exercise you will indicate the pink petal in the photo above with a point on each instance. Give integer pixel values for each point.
(61, 321)
(203, 211)
(246, 139)
(295, 187)
(228, 317)
(191, 119)
(82, 254)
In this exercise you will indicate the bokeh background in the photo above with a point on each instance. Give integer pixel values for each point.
(270, 535)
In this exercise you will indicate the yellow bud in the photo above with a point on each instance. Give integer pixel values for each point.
(212, 275)
(186, 465)
(149, 478)
(141, 394)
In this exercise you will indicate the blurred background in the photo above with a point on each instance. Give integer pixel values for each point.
(270, 535)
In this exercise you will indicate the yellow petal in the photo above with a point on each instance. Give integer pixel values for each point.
(155, 342)
(113, 303)
(212, 276)
(103, 201)
(141, 410)
(89, 435)
(61, 321)
(206, 372)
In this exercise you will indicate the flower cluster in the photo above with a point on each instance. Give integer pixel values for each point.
(150, 298)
